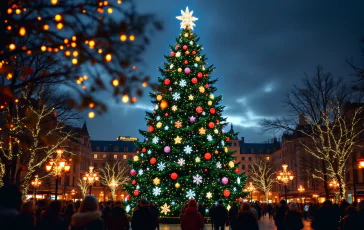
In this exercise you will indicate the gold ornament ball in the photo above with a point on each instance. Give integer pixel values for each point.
(197, 59)
(177, 185)
(201, 89)
(136, 158)
(225, 149)
(159, 97)
(164, 104)
(179, 70)
(186, 35)
(212, 97)
(231, 164)
(209, 103)
(159, 125)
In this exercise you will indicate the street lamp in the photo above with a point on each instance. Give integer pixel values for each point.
(73, 193)
(91, 177)
(57, 167)
(334, 185)
(35, 183)
(113, 185)
(285, 176)
(251, 189)
(301, 189)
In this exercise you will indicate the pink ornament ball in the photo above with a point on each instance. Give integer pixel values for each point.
(184, 47)
(172, 54)
(167, 149)
(225, 180)
(133, 172)
(223, 131)
(187, 70)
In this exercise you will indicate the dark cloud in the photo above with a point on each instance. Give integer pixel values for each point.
(260, 49)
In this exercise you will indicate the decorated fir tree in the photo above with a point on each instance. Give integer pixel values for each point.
(185, 154)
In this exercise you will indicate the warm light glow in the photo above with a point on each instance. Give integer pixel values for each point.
(46, 27)
(12, 46)
(75, 53)
(125, 99)
(131, 37)
(144, 84)
(115, 82)
(285, 176)
(43, 48)
(74, 61)
(58, 17)
(22, 31)
(109, 10)
(123, 37)
(54, 2)
(91, 44)
(91, 115)
(361, 163)
(301, 189)
(108, 57)
(60, 25)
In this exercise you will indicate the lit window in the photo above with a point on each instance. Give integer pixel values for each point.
(115, 156)
(95, 156)
(104, 155)
(125, 156)
(268, 158)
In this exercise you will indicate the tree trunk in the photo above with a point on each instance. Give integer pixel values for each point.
(327, 192)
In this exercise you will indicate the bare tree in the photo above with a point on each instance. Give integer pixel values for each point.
(327, 134)
(83, 185)
(113, 175)
(262, 175)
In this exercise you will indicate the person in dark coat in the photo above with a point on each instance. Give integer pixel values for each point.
(143, 218)
(245, 219)
(212, 215)
(270, 210)
(280, 214)
(259, 210)
(154, 208)
(359, 217)
(68, 213)
(233, 213)
(88, 217)
(192, 219)
(26, 220)
(52, 218)
(117, 220)
(10, 203)
(293, 218)
(220, 216)
(348, 222)
(41, 207)
(343, 206)
(201, 210)
(107, 211)
(326, 217)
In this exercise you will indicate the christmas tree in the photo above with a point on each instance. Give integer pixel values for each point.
(185, 154)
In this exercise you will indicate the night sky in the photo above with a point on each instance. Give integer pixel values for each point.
(260, 50)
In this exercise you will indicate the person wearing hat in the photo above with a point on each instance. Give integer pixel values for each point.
(143, 218)
(191, 218)
(293, 218)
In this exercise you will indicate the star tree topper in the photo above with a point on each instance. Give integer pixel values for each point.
(187, 19)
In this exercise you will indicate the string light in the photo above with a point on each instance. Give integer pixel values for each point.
(22, 31)
(91, 115)
(125, 99)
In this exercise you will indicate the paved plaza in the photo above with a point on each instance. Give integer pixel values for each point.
(265, 224)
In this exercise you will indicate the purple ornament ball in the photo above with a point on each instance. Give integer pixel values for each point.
(187, 70)
(167, 149)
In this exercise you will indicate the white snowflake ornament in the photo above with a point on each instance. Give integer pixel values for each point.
(181, 161)
(161, 166)
(176, 96)
(156, 191)
(190, 194)
(182, 83)
(155, 140)
(187, 149)
(218, 165)
(209, 137)
(197, 179)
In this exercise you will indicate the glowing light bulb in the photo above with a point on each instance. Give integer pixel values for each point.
(115, 82)
(22, 31)
(91, 115)
(125, 99)
(123, 37)
(12, 46)
(131, 37)
(108, 57)
(58, 17)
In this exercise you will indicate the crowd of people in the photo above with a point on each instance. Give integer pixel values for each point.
(93, 215)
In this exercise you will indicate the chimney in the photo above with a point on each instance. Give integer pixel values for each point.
(302, 119)
(242, 139)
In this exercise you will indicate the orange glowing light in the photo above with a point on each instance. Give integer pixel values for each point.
(123, 37)
(46, 27)
(74, 61)
(125, 99)
(91, 115)
(12, 46)
(43, 48)
(132, 37)
(22, 31)
(60, 26)
(58, 17)
(115, 82)
(108, 57)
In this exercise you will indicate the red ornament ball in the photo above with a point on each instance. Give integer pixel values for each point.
(133, 172)
(206, 75)
(212, 111)
(171, 54)
(151, 129)
(199, 75)
(153, 160)
(211, 125)
(207, 86)
(168, 70)
(205, 170)
(208, 156)
(174, 176)
(136, 192)
(227, 139)
(194, 80)
(236, 170)
(167, 81)
(226, 192)
(184, 47)
(144, 149)
(133, 182)
(166, 114)
(199, 109)
(177, 46)
(193, 52)
(186, 62)
(216, 152)
(240, 200)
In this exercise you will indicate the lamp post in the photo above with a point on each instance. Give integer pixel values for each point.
(57, 167)
(355, 175)
(73, 193)
(91, 177)
(285, 176)
(334, 185)
(251, 189)
(35, 183)
(301, 189)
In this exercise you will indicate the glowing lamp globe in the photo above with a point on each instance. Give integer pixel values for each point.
(211, 125)
(207, 156)
(194, 80)
(133, 172)
(187, 70)
(225, 180)
(151, 129)
(153, 160)
(226, 193)
(167, 149)
(167, 81)
(199, 109)
(174, 176)
(164, 104)
(136, 192)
